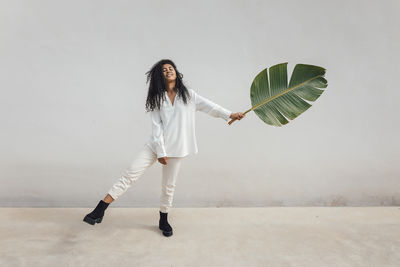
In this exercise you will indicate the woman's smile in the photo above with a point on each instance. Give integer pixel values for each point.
(169, 72)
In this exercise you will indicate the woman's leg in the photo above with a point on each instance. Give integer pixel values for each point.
(145, 158)
(108, 199)
(169, 178)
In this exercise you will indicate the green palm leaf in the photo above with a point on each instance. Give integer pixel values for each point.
(276, 102)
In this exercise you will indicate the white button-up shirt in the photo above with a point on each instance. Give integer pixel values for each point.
(173, 126)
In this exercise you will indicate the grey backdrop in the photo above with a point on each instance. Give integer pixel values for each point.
(73, 91)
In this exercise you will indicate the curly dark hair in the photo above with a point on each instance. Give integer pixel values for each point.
(157, 86)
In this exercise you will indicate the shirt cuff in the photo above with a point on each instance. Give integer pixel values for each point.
(161, 153)
(226, 114)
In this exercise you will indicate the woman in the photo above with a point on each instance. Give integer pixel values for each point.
(173, 109)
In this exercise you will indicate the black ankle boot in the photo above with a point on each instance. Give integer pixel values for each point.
(96, 216)
(164, 225)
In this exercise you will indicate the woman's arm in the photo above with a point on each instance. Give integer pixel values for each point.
(207, 106)
(157, 135)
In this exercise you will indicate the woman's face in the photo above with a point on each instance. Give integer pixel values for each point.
(169, 72)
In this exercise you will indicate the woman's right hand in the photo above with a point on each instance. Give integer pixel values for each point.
(163, 160)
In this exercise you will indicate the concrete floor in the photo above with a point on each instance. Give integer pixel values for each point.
(271, 236)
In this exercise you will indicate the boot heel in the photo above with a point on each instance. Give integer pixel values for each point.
(166, 232)
(92, 221)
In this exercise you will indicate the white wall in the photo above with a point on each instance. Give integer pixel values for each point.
(73, 90)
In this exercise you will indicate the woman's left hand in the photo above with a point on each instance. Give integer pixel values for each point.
(237, 116)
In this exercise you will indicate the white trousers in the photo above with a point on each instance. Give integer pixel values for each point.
(143, 160)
